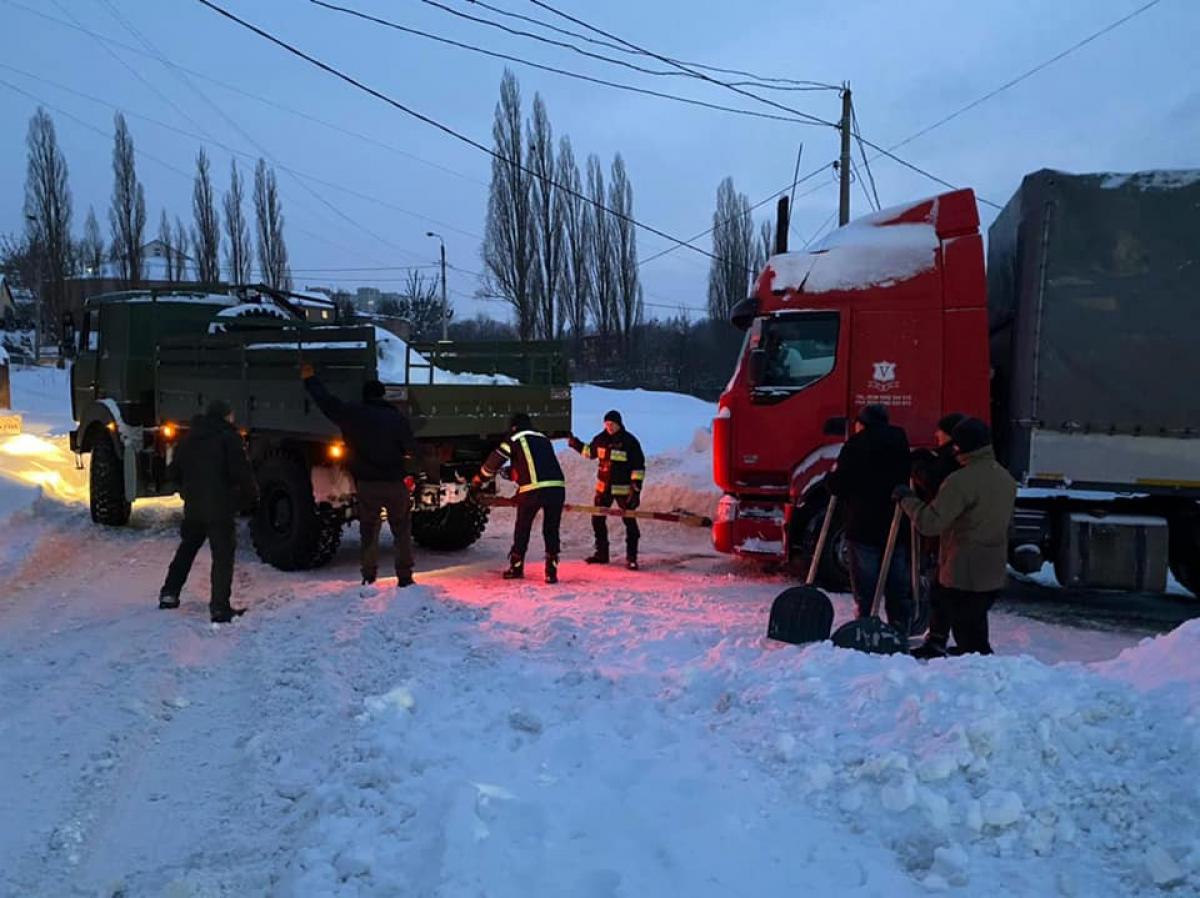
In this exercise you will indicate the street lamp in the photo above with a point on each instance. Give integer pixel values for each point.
(445, 307)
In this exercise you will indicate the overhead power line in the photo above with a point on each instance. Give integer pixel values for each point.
(689, 101)
(444, 128)
(792, 82)
(232, 88)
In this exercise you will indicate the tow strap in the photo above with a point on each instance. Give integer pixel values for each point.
(679, 516)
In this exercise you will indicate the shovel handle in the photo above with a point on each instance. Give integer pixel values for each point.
(886, 566)
(822, 537)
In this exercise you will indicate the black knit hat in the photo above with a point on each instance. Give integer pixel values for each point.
(520, 421)
(947, 423)
(614, 415)
(872, 414)
(218, 408)
(971, 434)
(373, 389)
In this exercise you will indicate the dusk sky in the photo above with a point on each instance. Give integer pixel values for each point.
(1128, 100)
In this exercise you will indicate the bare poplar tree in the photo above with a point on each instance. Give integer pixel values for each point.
(575, 287)
(206, 230)
(547, 218)
(166, 240)
(268, 214)
(239, 257)
(508, 240)
(601, 256)
(731, 272)
(181, 250)
(766, 245)
(628, 306)
(48, 213)
(91, 247)
(421, 305)
(127, 214)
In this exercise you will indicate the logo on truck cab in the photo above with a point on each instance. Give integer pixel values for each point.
(883, 377)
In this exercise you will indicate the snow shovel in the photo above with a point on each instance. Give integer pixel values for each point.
(804, 613)
(921, 605)
(870, 634)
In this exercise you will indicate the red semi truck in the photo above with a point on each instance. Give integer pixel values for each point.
(1077, 349)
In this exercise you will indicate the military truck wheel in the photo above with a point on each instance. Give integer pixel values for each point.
(289, 531)
(451, 527)
(329, 540)
(109, 504)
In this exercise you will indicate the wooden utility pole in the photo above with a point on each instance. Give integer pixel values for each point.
(844, 163)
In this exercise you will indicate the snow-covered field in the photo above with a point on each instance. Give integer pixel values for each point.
(621, 734)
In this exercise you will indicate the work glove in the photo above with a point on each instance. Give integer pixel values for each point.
(575, 443)
(903, 491)
(635, 499)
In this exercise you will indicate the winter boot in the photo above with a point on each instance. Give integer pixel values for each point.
(403, 580)
(368, 579)
(600, 556)
(226, 614)
(166, 600)
(551, 569)
(631, 562)
(516, 569)
(927, 651)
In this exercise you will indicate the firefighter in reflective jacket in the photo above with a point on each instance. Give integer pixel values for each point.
(540, 485)
(621, 476)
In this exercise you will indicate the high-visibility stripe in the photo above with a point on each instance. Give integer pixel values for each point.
(618, 455)
(620, 490)
(586, 451)
(540, 484)
(601, 452)
(506, 449)
(638, 475)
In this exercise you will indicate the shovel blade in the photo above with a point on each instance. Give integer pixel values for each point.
(799, 615)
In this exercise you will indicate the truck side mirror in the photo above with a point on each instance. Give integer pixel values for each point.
(758, 366)
(835, 427)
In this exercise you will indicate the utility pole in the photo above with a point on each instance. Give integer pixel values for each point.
(844, 164)
(445, 305)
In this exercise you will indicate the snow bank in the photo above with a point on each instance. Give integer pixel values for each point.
(1165, 667)
(661, 421)
(858, 256)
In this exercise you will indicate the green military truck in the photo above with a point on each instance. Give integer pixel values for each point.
(149, 361)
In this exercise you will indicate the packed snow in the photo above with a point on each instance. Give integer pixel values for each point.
(857, 257)
(394, 360)
(620, 734)
(1161, 179)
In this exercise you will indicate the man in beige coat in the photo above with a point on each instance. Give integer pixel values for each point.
(970, 514)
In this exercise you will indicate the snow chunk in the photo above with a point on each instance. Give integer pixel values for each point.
(400, 698)
(1162, 867)
(1001, 808)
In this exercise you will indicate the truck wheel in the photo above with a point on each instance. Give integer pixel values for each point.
(329, 540)
(288, 529)
(109, 504)
(833, 570)
(451, 527)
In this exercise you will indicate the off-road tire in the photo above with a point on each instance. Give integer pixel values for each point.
(451, 527)
(289, 530)
(106, 488)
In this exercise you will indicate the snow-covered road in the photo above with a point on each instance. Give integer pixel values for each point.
(621, 734)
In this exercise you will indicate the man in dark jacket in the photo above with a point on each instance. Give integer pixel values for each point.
(378, 442)
(540, 487)
(930, 470)
(215, 480)
(873, 462)
(971, 515)
(621, 476)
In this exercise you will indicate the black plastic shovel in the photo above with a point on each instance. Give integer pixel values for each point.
(804, 613)
(870, 634)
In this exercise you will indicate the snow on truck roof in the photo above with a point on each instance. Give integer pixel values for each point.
(147, 296)
(875, 250)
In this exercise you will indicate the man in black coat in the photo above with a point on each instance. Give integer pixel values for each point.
(620, 479)
(378, 442)
(215, 480)
(874, 461)
(540, 487)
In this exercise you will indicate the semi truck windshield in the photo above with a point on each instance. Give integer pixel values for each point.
(800, 349)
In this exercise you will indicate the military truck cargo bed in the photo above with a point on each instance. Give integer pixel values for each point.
(258, 372)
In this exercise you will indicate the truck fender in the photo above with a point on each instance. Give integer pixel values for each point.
(811, 471)
(101, 418)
